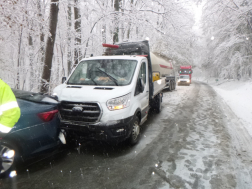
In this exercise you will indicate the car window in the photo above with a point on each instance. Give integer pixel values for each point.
(142, 72)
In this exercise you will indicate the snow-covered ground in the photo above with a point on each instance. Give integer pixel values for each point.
(238, 96)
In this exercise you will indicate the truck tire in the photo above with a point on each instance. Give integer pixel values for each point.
(170, 85)
(135, 133)
(158, 103)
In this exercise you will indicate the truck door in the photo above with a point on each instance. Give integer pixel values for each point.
(143, 97)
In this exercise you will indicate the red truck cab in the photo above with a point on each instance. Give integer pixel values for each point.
(186, 70)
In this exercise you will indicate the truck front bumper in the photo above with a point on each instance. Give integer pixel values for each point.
(118, 130)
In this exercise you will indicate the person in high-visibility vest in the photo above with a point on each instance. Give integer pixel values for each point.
(9, 110)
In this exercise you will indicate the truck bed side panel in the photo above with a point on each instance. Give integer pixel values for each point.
(158, 86)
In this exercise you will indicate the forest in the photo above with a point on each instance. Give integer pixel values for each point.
(42, 40)
(227, 28)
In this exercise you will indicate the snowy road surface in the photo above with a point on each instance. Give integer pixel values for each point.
(195, 142)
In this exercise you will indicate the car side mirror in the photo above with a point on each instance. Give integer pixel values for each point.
(141, 85)
(63, 79)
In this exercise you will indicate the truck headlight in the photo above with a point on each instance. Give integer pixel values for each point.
(119, 103)
(188, 81)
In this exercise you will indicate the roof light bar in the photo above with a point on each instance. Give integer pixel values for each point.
(111, 46)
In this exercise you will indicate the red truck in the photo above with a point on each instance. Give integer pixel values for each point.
(186, 70)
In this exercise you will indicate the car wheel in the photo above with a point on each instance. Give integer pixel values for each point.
(135, 133)
(8, 156)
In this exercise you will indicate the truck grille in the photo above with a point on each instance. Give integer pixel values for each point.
(80, 111)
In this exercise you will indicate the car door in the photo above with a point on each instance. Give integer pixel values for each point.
(143, 97)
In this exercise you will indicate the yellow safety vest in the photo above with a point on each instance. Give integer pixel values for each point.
(9, 110)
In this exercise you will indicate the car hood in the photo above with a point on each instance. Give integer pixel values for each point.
(90, 93)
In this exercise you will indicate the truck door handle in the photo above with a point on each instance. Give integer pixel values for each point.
(147, 91)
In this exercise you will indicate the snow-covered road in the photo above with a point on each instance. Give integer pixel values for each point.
(238, 96)
(197, 141)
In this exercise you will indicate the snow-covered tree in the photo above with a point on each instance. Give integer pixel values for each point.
(82, 28)
(227, 27)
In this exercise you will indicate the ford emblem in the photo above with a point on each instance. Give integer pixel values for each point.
(77, 109)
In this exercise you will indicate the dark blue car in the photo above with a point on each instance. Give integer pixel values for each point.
(36, 132)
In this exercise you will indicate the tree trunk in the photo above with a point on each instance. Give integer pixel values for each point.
(19, 59)
(49, 46)
(129, 27)
(104, 31)
(31, 58)
(77, 27)
(41, 55)
(69, 53)
(116, 21)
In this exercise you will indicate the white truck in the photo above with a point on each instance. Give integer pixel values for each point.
(108, 97)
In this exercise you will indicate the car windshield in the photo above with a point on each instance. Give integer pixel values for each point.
(34, 97)
(109, 72)
(184, 77)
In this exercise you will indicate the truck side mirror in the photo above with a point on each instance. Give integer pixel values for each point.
(63, 79)
(141, 85)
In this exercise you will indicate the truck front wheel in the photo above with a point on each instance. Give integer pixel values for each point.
(135, 134)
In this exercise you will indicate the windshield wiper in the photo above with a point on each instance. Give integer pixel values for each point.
(81, 83)
(112, 78)
(93, 81)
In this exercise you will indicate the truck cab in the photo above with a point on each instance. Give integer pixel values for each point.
(105, 96)
(186, 70)
(108, 98)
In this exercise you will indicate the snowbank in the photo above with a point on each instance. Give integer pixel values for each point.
(238, 96)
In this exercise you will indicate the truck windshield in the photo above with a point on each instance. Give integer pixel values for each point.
(185, 71)
(106, 72)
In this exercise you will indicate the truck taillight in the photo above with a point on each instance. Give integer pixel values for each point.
(47, 116)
